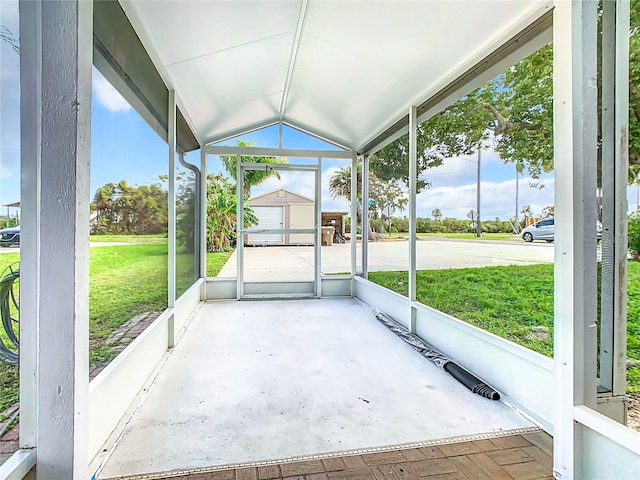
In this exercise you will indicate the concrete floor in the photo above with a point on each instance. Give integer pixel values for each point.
(295, 264)
(253, 381)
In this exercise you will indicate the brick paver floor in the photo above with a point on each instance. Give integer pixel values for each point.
(517, 457)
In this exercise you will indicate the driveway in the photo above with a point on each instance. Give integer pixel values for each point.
(288, 263)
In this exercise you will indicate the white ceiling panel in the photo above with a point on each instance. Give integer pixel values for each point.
(357, 67)
(184, 29)
(220, 80)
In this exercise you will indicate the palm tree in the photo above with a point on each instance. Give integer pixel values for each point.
(222, 214)
(251, 177)
(340, 186)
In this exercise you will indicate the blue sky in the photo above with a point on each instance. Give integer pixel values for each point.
(125, 147)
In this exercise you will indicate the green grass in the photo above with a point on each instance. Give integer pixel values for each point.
(215, 262)
(124, 281)
(129, 238)
(509, 301)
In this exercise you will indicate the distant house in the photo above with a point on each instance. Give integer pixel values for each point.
(282, 209)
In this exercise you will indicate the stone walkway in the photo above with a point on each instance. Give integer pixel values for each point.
(517, 457)
(118, 341)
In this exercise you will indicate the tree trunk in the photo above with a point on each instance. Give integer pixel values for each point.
(371, 235)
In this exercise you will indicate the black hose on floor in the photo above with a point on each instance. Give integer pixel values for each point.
(439, 359)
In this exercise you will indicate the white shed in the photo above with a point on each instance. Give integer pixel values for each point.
(282, 209)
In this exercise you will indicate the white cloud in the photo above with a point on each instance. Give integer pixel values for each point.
(497, 199)
(107, 95)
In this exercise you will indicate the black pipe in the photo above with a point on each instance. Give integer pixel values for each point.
(470, 381)
(439, 359)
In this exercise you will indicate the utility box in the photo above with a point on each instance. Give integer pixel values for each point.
(327, 235)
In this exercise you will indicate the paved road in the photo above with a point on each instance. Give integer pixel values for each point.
(296, 263)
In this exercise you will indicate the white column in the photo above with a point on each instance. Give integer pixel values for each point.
(354, 216)
(317, 264)
(30, 118)
(171, 257)
(56, 106)
(239, 228)
(203, 214)
(365, 216)
(575, 296)
(615, 164)
(413, 182)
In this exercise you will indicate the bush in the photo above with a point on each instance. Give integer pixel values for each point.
(634, 236)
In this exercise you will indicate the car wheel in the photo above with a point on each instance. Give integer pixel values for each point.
(527, 237)
(549, 241)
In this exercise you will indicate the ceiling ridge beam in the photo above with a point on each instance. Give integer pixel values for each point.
(293, 56)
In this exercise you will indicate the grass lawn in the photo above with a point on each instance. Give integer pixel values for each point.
(129, 238)
(464, 236)
(124, 281)
(508, 301)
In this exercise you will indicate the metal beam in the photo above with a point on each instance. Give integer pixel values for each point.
(31, 198)
(297, 167)
(55, 83)
(365, 216)
(276, 152)
(317, 267)
(621, 160)
(203, 214)
(413, 189)
(239, 229)
(293, 56)
(320, 136)
(575, 292)
(354, 221)
(171, 257)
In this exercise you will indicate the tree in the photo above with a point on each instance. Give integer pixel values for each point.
(340, 186)
(9, 38)
(547, 211)
(436, 214)
(513, 112)
(251, 177)
(128, 209)
(222, 214)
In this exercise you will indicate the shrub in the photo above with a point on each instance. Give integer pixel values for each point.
(634, 235)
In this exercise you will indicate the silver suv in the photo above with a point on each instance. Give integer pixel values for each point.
(546, 230)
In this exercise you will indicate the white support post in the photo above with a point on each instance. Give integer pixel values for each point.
(317, 267)
(56, 57)
(575, 295)
(239, 228)
(203, 214)
(621, 161)
(354, 216)
(365, 216)
(171, 139)
(31, 198)
(413, 185)
(615, 78)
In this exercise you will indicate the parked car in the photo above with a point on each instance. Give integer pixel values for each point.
(546, 230)
(10, 236)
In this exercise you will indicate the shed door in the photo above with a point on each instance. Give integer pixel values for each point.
(301, 216)
(268, 218)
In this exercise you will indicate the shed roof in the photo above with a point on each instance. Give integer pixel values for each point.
(344, 71)
(275, 192)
